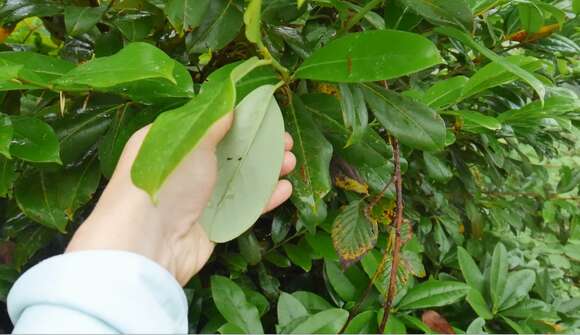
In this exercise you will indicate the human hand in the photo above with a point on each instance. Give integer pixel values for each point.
(167, 232)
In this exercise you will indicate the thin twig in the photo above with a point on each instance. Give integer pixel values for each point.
(398, 242)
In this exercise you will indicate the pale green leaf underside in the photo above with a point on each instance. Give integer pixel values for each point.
(175, 133)
(249, 160)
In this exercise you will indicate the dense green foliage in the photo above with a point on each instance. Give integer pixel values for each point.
(482, 95)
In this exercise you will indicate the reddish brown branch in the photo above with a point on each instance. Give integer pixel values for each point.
(398, 241)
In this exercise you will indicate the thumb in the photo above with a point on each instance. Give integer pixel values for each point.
(218, 131)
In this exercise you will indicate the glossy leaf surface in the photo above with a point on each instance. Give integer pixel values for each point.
(370, 56)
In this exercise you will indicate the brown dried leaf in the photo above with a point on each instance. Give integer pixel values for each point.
(437, 323)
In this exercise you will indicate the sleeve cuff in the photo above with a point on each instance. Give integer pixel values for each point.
(128, 292)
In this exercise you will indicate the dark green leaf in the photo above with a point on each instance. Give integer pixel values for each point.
(445, 92)
(516, 70)
(433, 293)
(221, 23)
(233, 305)
(436, 168)
(137, 61)
(495, 74)
(531, 16)
(34, 140)
(311, 177)
(470, 270)
(325, 322)
(79, 20)
(498, 275)
(479, 305)
(7, 176)
(250, 248)
(311, 301)
(363, 323)
(289, 308)
(51, 198)
(369, 56)
(413, 123)
(6, 134)
(444, 12)
(184, 14)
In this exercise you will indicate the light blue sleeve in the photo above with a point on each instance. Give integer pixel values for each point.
(98, 292)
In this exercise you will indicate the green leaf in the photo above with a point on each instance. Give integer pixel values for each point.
(299, 256)
(517, 287)
(363, 323)
(221, 24)
(159, 90)
(80, 130)
(6, 134)
(325, 322)
(354, 110)
(34, 141)
(258, 77)
(479, 305)
(80, 20)
(473, 121)
(495, 74)
(289, 308)
(321, 243)
(137, 61)
(353, 235)
(445, 92)
(436, 168)
(531, 16)
(370, 157)
(7, 176)
(444, 12)
(175, 133)
(470, 270)
(530, 116)
(250, 248)
(340, 282)
(233, 305)
(37, 70)
(413, 123)
(498, 275)
(16, 10)
(51, 198)
(433, 293)
(250, 158)
(312, 302)
(569, 179)
(311, 177)
(253, 21)
(476, 327)
(135, 25)
(510, 67)
(370, 56)
(229, 328)
(126, 121)
(185, 14)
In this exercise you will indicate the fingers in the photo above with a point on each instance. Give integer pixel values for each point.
(288, 142)
(289, 163)
(282, 193)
